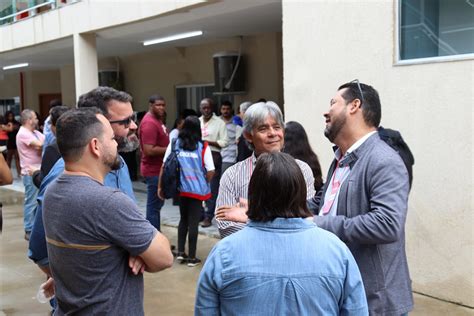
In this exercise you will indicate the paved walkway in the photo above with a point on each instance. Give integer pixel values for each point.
(170, 292)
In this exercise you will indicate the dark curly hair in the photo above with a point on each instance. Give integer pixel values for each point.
(100, 98)
(190, 135)
(297, 145)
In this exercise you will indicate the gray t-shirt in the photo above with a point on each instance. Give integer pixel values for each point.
(91, 231)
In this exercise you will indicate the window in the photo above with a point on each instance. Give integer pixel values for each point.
(12, 104)
(190, 96)
(435, 28)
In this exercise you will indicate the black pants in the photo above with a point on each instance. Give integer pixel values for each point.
(190, 210)
(211, 203)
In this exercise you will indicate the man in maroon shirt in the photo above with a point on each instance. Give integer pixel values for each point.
(153, 142)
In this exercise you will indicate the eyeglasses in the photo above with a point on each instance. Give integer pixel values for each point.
(356, 81)
(126, 122)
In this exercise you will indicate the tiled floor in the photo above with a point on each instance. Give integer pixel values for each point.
(170, 292)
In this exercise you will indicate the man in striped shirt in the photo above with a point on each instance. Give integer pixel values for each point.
(264, 131)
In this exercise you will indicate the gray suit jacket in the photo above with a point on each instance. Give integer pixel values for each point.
(371, 214)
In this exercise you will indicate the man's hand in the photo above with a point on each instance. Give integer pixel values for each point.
(234, 213)
(32, 171)
(48, 287)
(136, 264)
(159, 193)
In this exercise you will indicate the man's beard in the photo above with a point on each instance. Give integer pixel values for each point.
(114, 163)
(127, 144)
(338, 123)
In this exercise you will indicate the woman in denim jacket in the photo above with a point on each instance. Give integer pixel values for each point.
(280, 263)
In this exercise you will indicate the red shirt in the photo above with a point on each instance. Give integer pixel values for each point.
(152, 132)
(3, 135)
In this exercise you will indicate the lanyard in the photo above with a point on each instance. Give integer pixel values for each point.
(335, 186)
(205, 129)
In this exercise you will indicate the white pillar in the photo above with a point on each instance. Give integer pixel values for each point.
(68, 91)
(85, 63)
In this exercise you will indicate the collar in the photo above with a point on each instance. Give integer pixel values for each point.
(254, 158)
(152, 115)
(355, 150)
(213, 117)
(230, 121)
(28, 129)
(358, 143)
(354, 146)
(283, 224)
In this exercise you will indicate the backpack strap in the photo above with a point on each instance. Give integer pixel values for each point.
(173, 145)
(204, 147)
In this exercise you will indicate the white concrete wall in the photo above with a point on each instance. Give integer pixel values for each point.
(40, 82)
(68, 89)
(88, 15)
(10, 86)
(160, 71)
(34, 84)
(327, 43)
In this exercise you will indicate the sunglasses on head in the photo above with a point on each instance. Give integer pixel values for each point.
(356, 81)
(126, 122)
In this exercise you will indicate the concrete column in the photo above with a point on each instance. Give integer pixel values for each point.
(68, 92)
(85, 63)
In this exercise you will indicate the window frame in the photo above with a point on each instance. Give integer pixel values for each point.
(218, 98)
(425, 60)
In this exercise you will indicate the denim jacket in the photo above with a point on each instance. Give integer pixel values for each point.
(37, 251)
(284, 267)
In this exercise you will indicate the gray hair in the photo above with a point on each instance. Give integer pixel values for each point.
(244, 106)
(258, 112)
(26, 115)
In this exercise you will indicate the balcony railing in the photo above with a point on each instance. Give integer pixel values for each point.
(16, 10)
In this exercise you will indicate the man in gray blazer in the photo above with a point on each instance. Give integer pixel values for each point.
(364, 200)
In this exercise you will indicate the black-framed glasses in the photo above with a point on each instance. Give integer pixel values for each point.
(126, 122)
(356, 81)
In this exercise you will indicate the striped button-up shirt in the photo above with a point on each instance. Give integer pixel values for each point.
(235, 184)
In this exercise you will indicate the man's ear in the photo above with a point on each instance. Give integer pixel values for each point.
(94, 147)
(354, 106)
(248, 137)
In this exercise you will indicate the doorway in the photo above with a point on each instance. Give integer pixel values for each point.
(44, 101)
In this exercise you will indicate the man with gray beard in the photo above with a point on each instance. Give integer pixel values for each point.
(117, 108)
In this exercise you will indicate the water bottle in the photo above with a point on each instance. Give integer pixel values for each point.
(41, 295)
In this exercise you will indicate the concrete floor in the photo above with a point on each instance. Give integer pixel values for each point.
(170, 292)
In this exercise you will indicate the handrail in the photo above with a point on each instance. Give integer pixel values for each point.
(27, 10)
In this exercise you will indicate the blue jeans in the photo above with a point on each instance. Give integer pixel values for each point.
(29, 207)
(153, 202)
